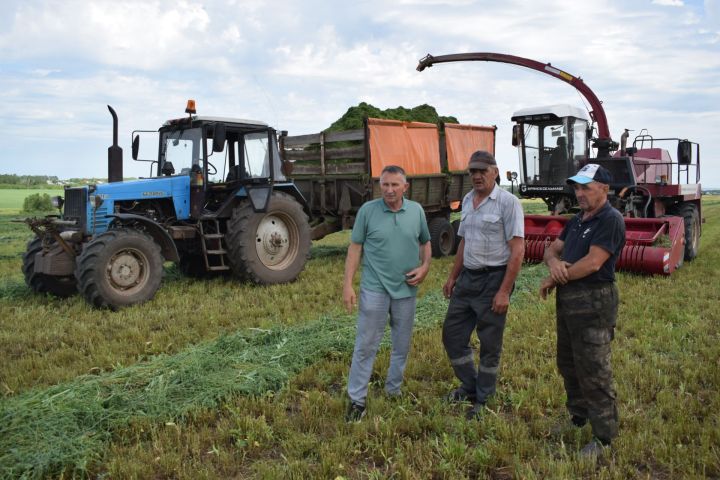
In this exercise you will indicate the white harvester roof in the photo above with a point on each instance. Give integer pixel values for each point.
(559, 110)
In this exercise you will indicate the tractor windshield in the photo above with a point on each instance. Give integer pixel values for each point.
(183, 148)
(546, 154)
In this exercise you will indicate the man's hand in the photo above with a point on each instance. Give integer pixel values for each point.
(448, 287)
(349, 298)
(559, 271)
(546, 287)
(501, 302)
(415, 276)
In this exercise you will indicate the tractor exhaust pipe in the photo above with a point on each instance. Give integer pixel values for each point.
(115, 153)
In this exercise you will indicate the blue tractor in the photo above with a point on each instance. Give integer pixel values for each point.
(217, 201)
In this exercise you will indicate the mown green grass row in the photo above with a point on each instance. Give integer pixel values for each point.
(665, 359)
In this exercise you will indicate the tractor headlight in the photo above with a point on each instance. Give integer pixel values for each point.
(57, 201)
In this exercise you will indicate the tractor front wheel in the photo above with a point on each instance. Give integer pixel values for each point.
(270, 247)
(691, 219)
(119, 268)
(58, 285)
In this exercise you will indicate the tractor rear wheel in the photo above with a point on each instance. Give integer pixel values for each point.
(58, 285)
(691, 219)
(442, 237)
(119, 268)
(270, 247)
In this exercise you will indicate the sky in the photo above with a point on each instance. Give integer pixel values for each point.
(300, 65)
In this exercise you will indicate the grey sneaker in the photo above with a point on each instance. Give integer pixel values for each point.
(594, 449)
(355, 412)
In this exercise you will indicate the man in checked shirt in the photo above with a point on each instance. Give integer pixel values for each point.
(488, 260)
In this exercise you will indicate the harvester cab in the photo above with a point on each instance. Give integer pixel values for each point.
(216, 201)
(552, 145)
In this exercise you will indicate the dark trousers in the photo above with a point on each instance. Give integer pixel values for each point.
(585, 327)
(470, 309)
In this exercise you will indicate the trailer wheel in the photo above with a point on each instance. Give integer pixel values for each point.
(270, 247)
(691, 220)
(456, 226)
(442, 237)
(60, 286)
(119, 268)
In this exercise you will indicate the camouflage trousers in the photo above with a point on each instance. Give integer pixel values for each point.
(585, 327)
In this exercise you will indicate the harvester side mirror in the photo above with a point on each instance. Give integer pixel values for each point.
(516, 134)
(219, 137)
(135, 147)
(684, 152)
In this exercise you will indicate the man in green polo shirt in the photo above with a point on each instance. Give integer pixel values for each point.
(392, 238)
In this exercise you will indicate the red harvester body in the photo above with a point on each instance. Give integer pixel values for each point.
(658, 197)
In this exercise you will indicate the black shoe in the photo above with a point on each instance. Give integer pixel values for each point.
(355, 412)
(476, 412)
(459, 395)
(578, 421)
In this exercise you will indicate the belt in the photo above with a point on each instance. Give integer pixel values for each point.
(495, 268)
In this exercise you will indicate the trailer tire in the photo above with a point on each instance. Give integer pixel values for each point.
(691, 220)
(59, 285)
(456, 226)
(442, 237)
(271, 247)
(118, 268)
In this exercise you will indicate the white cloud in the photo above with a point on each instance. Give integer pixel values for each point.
(669, 3)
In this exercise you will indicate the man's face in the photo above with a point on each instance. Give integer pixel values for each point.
(483, 181)
(393, 185)
(591, 196)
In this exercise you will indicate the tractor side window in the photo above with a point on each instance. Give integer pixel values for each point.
(580, 144)
(256, 155)
(217, 163)
(531, 144)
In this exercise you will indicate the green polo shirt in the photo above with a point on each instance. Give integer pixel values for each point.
(391, 245)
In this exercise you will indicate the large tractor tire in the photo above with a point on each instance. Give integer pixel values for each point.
(119, 268)
(60, 286)
(691, 219)
(270, 247)
(442, 237)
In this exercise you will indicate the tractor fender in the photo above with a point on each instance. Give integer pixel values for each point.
(154, 229)
(289, 188)
(292, 190)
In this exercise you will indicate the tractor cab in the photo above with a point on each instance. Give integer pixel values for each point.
(553, 144)
(219, 156)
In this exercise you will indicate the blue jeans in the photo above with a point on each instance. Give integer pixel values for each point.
(374, 308)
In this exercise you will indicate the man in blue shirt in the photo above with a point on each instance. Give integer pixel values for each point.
(582, 267)
(391, 236)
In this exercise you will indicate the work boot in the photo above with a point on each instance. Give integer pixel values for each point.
(594, 449)
(565, 427)
(476, 412)
(459, 395)
(355, 412)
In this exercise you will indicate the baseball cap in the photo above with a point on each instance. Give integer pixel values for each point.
(592, 172)
(481, 160)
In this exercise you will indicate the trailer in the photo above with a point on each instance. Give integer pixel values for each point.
(337, 172)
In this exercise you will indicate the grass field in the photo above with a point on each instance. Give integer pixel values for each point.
(216, 379)
(11, 200)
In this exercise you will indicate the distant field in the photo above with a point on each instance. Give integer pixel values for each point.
(11, 200)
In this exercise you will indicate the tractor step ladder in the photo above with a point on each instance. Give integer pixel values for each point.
(212, 245)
